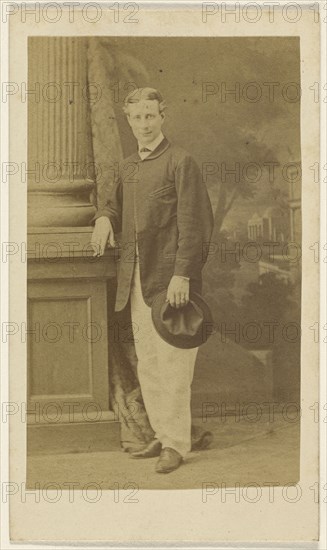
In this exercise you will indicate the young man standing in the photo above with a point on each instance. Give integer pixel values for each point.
(160, 205)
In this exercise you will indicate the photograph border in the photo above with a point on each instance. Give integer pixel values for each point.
(11, 309)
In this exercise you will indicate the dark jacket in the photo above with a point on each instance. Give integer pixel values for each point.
(165, 202)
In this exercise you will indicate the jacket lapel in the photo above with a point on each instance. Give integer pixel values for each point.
(162, 147)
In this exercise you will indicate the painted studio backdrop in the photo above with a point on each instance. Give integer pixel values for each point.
(234, 104)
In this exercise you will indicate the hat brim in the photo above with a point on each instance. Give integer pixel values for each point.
(177, 341)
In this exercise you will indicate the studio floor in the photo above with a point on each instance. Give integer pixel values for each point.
(265, 452)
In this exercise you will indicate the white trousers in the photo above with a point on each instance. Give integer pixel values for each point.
(165, 375)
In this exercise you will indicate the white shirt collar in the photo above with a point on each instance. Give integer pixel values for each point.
(152, 145)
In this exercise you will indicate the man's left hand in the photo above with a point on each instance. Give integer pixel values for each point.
(178, 293)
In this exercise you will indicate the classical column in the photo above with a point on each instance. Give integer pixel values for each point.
(61, 171)
(68, 307)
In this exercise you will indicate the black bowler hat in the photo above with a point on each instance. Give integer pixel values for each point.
(186, 327)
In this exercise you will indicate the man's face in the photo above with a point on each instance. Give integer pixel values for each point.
(145, 120)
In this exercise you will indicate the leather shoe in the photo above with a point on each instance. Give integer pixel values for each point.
(169, 460)
(151, 450)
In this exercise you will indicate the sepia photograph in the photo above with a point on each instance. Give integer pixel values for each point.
(164, 328)
(164, 261)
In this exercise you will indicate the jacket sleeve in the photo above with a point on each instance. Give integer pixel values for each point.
(194, 219)
(112, 208)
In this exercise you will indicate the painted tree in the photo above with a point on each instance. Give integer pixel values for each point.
(248, 155)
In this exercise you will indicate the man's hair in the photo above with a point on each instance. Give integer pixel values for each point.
(144, 93)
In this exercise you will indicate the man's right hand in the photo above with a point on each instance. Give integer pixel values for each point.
(103, 233)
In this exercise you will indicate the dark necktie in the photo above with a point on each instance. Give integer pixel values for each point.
(145, 150)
